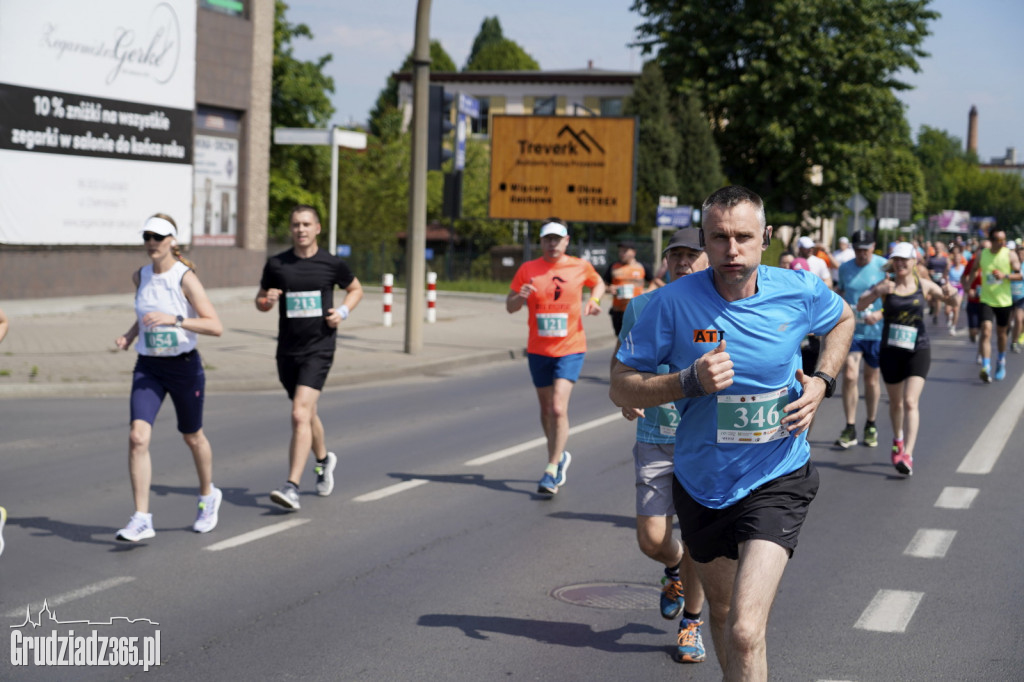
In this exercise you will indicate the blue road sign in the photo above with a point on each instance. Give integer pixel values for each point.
(678, 216)
(470, 106)
(344, 250)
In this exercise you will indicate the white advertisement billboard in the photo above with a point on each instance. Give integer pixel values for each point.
(96, 108)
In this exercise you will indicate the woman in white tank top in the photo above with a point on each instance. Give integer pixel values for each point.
(171, 308)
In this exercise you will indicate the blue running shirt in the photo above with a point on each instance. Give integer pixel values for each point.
(658, 425)
(729, 442)
(854, 281)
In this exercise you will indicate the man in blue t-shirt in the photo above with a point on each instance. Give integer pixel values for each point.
(653, 459)
(855, 277)
(743, 479)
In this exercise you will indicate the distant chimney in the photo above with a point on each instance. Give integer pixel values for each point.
(972, 130)
(1011, 156)
(590, 64)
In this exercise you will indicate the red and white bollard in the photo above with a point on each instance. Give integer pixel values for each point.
(389, 297)
(431, 297)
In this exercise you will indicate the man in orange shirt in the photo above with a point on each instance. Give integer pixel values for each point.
(551, 287)
(628, 278)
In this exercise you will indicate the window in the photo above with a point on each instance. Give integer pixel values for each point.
(479, 125)
(611, 106)
(545, 106)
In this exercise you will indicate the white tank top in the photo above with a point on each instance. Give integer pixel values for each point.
(162, 293)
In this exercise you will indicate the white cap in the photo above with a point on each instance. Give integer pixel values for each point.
(1011, 245)
(160, 226)
(844, 240)
(805, 243)
(554, 228)
(903, 250)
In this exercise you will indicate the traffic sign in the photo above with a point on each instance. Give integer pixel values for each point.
(679, 216)
(470, 106)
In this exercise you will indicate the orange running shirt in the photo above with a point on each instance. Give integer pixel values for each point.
(555, 309)
(627, 282)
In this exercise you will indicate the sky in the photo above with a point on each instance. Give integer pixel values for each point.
(974, 52)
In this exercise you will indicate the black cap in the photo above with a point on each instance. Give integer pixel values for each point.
(861, 239)
(688, 237)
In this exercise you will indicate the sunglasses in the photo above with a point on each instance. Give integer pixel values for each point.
(154, 237)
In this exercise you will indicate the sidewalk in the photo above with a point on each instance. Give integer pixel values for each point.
(65, 346)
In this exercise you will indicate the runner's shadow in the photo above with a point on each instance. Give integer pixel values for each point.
(884, 470)
(467, 479)
(612, 519)
(44, 526)
(239, 497)
(561, 633)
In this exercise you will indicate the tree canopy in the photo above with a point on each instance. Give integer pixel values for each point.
(791, 84)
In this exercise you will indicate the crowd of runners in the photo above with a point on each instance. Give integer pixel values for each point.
(722, 418)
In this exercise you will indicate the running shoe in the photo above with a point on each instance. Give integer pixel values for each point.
(847, 438)
(984, 375)
(978, 360)
(287, 496)
(209, 505)
(325, 474)
(3, 520)
(691, 644)
(953, 331)
(547, 485)
(671, 600)
(563, 466)
(1000, 370)
(140, 527)
(1016, 347)
(871, 436)
(900, 459)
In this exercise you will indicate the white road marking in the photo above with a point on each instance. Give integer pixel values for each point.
(76, 594)
(952, 497)
(990, 444)
(929, 543)
(390, 490)
(889, 611)
(254, 535)
(530, 444)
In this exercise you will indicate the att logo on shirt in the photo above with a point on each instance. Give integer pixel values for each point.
(708, 335)
(558, 289)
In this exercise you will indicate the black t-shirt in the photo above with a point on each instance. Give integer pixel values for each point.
(308, 286)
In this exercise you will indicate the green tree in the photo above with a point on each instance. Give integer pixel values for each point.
(658, 144)
(790, 84)
(503, 55)
(490, 32)
(699, 168)
(385, 117)
(299, 99)
(943, 162)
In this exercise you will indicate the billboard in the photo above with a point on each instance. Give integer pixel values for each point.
(578, 169)
(96, 109)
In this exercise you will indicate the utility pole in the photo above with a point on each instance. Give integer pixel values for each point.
(416, 242)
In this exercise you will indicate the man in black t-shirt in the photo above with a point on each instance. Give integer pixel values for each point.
(303, 280)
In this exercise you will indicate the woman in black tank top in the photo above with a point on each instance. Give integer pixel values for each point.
(905, 354)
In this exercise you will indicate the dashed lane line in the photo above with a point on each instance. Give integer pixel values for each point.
(523, 447)
(254, 535)
(390, 490)
(75, 594)
(889, 611)
(953, 497)
(930, 543)
(985, 452)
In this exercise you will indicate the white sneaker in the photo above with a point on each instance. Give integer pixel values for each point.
(325, 474)
(140, 527)
(209, 505)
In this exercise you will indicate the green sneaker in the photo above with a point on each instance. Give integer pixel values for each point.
(847, 438)
(871, 436)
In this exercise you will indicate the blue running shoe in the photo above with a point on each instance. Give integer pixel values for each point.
(547, 485)
(1000, 371)
(671, 598)
(691, 644)
(563, 466)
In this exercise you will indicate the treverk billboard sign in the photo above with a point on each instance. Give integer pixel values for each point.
(578, 169)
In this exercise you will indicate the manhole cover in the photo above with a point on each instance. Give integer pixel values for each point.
(610, 595)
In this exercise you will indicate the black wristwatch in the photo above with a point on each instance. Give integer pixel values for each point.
(830, 383)
(178, 322)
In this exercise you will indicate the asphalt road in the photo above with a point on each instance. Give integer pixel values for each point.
(424, 564)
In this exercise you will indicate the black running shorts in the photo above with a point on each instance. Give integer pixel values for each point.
(304, 370)
(774, 511)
